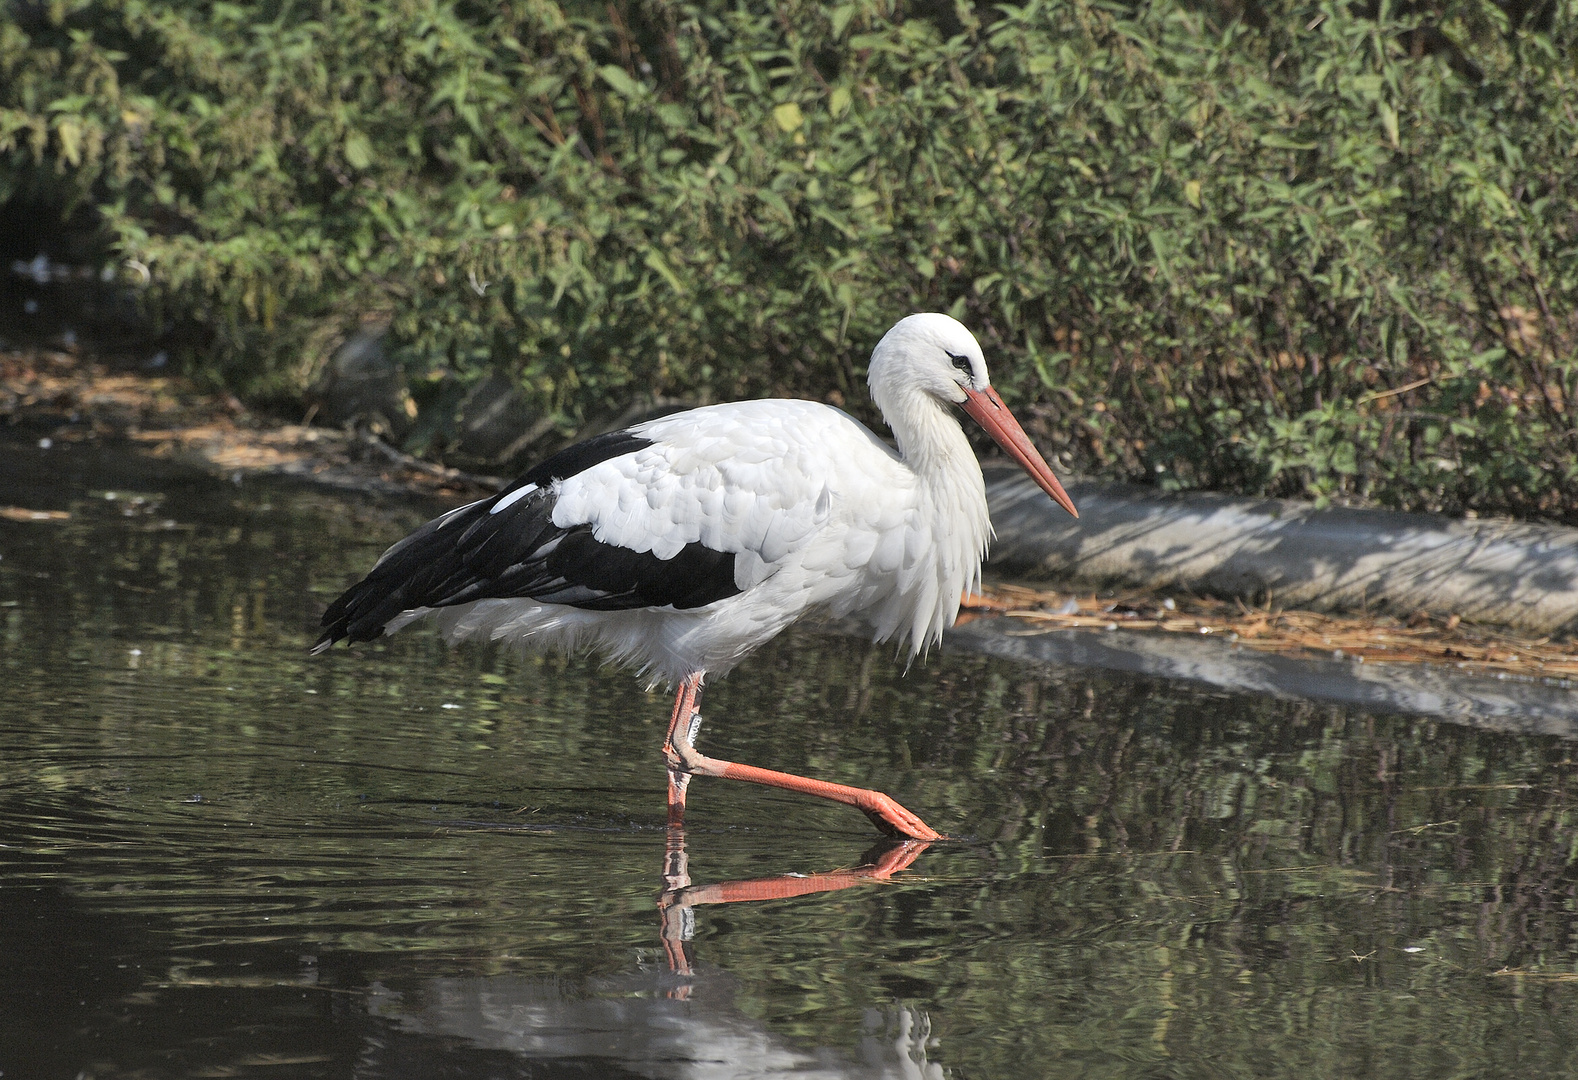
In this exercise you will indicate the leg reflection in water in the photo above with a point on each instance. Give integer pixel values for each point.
(679, 898)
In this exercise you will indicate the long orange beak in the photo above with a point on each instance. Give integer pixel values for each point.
(990, 412)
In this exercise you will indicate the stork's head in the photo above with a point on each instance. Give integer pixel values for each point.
(933, 354)
(930, 352)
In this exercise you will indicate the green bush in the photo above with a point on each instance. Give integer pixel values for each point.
(1307, 250)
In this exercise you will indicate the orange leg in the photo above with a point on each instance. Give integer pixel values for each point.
(685, 722)
(684, 762)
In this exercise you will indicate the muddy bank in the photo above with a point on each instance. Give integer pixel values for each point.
(61, 395)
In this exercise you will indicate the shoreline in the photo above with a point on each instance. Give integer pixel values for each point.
(1157, 557)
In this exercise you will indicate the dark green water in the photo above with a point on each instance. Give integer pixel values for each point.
(221, 858)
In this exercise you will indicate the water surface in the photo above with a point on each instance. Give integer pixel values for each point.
(219, 857)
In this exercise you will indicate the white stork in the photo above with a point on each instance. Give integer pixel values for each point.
(679, 545)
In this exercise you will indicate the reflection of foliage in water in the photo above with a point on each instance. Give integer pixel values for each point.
(1155, 877)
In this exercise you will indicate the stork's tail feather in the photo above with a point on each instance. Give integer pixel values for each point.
(357, 614)
(336, 624)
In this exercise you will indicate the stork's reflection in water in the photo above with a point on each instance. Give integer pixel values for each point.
(680, 1023)
(680, 898)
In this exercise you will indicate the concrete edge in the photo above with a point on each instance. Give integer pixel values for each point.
(1522, 576)
(1510, 704)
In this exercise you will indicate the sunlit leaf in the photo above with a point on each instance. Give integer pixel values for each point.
(788, 116)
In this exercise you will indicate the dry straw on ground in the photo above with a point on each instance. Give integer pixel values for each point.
(1421, 639)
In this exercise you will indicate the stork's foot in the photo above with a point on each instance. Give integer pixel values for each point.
(894, 820)
(678, 782)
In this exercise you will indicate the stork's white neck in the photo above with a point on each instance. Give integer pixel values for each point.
(950, 506)
(929, 437)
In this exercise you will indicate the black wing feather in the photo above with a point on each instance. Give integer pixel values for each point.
(475, 554)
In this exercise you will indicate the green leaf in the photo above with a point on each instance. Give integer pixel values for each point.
(69, 132)
(655, 261)
(788, 116)
(879, 42)
(776, 201)
(839, 18)
(1389, 124)
(675, 116)
(358, 150)
(1283, 142)
(618, 78)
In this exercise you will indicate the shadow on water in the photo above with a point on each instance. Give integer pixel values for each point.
(218, 857)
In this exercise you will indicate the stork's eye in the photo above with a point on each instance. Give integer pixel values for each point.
(962, 363)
